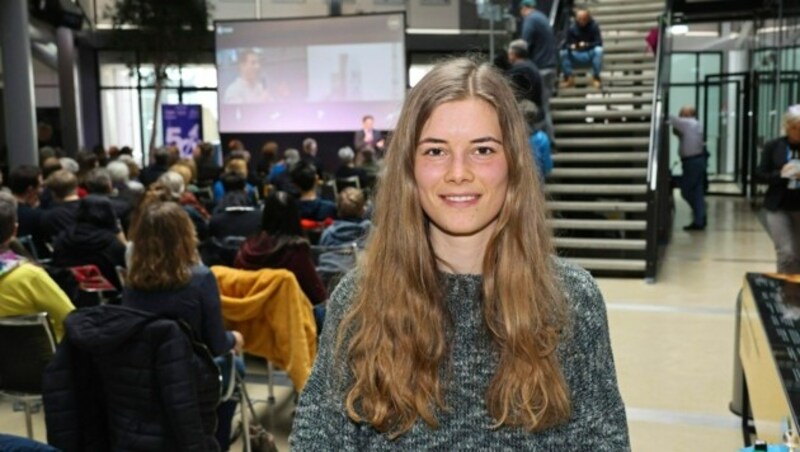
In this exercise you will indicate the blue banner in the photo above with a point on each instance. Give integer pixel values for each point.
(182, 126)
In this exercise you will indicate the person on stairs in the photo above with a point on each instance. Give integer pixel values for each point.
(542, 50)
(693, 161)
(583, 46)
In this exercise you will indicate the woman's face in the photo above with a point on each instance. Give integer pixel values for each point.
(460, 168)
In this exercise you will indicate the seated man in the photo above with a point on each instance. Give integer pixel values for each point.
(25, 183)
(304, 176)
(583, 46)
(351, 227)
(234, 216)
(64, 209)
(24, 287)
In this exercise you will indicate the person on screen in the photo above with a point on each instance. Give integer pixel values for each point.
(247, 88)
(368, 136)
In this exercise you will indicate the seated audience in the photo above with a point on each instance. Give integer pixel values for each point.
(159, 166)
(166, 278)
(26, 288)
(87, 161)
(98, 182)
(304, 176)
(311, 155)
(234, 216)
(347, 167)
(237, 165)
(188, 197)
(25, 183)
(94, 239)
(283, 180)
(124, 188)
(49, 166)
(69, 164)
(583, 46)
(207, 168)
(351, 227)
(524, 74)
(281, 244)
(367, 161)
(269, 154)
(174, 183)
(62, 213)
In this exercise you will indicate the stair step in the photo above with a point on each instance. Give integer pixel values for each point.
(602, 128)
(617, 57)
(623, 36)
(565, 157)
(618, 67)
(638, 45)
(596, 189)
(603, 114)
(564, 143)
(616, 80)
(598, 173)
(599, 225)
(606, 17)
(644, 27)
(596, 206)
(638, 89)
(602, 8)
(632, 265)
(601, 244)
(605, 100)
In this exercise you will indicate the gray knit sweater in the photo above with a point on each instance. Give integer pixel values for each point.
(598, 420)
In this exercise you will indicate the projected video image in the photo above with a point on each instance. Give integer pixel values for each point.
(310, 75)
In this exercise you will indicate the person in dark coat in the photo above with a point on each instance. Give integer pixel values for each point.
(281, 244)
(525, 76)
(780, 169)
(125, 379)
(95, 239)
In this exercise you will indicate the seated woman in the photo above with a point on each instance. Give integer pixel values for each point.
(166, 278)
(281, 244)
(237, 165)
(199, 216)
(95, 239)
(24, 287)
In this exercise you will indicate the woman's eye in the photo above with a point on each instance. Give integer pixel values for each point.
(484, 150)
(435, 152)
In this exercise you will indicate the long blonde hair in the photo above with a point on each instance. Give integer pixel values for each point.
(395, 336)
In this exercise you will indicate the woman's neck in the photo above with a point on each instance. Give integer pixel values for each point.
(460, 254)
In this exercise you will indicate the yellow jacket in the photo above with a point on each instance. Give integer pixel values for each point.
(273, 314)
(28, 289)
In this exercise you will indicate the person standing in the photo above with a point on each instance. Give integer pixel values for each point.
(525, 75)
(780, 170)
(583, 46)
(693, 161)
(538, 33)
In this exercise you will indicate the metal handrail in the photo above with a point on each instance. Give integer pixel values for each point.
(554, 12)
(657, 160)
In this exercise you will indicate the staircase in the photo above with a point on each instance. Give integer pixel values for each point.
(597, 191)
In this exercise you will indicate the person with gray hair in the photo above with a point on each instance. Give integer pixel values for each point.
(694, 159)
(347, 168)
(525, 76)
(27, 288)
(69, 164)
(779, 168)
(538, 34)
(175, 184)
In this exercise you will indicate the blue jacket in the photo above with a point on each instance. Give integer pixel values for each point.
(589, 34)
(542, 155)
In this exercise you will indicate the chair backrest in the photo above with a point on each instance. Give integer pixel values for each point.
(328, 190)
(27, 344)
(351, 181)
(27, 242)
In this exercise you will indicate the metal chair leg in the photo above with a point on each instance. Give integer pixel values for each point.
(28, 421)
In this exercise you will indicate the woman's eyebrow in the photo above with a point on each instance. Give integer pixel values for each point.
(432, 140)
(475, 141)
(485, 139)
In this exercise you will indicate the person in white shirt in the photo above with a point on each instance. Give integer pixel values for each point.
(247, 88)
(693, 160)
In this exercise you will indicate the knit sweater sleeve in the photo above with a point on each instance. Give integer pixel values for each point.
(321, 422)
(599, 421)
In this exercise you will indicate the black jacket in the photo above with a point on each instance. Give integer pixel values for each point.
(127, 380)
(528, 83)
(590, 34)
(773, 157)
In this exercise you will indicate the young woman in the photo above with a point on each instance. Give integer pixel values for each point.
(281, 244)
(460, 330)
(165, 277)
(780, 169)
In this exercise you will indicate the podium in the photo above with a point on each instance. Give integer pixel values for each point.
(769, 348)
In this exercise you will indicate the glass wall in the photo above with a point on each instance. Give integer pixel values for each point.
(127, 100)
(688, 72)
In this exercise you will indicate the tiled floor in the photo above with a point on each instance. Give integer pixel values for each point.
(672, 340)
